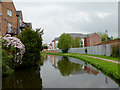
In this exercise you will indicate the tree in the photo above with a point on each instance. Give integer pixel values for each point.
(76, 42)
(32, 39)
(105, 36)
(65, 42)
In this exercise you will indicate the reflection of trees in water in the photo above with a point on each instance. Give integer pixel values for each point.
(44, 58)
(28, 78)
(66, 67)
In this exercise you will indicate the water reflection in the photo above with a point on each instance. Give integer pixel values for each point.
(28, 78)
(66, 67)
(74, 68)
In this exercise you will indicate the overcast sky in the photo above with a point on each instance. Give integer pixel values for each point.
(70, 17)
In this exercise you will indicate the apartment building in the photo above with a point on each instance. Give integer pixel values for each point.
(8, 18)
(19, 22)
(11, 21)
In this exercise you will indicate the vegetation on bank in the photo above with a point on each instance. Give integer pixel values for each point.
(115, 50)
(32, 39)
(100, 56)
(11, 55)
(108, 68)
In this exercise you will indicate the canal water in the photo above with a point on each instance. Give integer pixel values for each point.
(59, 72)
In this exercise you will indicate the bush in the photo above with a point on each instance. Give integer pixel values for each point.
(115, 50)
(7, 60)
(33, 45)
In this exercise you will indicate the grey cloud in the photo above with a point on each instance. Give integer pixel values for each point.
(57, 18)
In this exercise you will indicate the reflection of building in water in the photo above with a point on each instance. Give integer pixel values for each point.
(54, 59)
(85, 68)
(89, 70)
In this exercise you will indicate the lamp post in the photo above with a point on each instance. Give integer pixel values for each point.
(105, 40)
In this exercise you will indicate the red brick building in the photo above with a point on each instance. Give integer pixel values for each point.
(11, 21)
(92, 40)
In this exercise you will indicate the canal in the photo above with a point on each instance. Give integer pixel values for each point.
(59, 72)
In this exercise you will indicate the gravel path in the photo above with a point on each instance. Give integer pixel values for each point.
(103, 59)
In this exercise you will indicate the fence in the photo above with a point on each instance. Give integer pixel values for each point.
(95, 50)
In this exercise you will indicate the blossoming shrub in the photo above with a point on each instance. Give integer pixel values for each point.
(32, 39)
(12, 52)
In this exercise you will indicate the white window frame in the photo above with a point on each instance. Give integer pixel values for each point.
(9, 28)
(20, 22)
(9, 12)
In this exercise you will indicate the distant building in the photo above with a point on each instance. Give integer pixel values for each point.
(19, 21)
(92, 39)
(88, 39)
(55, 43)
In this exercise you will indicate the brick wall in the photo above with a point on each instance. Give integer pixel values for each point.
(95, 39)
(7, 19)
(92, 40)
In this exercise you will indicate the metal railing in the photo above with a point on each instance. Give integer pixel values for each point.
(12, 31)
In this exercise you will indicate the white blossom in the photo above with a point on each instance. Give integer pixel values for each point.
(15, 42)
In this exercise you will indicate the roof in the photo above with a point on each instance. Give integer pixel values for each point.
(19, 13)
(91, 34)
(28, 24)
(57, 38)
(110, 42)
(74, 35)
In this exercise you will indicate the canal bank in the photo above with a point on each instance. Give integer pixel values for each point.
(59, 72)
(109, 68)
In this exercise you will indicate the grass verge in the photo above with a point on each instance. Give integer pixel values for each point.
(102, 56)
(106, 67)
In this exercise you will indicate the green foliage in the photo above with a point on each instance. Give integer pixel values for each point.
(65, 42)
(115, 50)
(33, 45)
(105, 36)
(7, 59)
(76, 42)
(44, 47)
(66, 67)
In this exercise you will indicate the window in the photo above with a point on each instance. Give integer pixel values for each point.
(0, 14)
(9, 28)
(0, 27)
(20, 22)
(9, 13)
